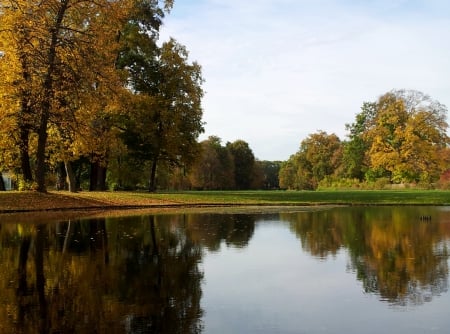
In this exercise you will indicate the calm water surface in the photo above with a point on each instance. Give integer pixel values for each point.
(341, 270)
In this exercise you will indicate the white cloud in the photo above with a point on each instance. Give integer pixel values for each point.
(277, 71)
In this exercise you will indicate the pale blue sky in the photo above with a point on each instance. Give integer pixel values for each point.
(279, 70)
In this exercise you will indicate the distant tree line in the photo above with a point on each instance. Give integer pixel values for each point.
(399, 139)
(216, 167)
(232, 166)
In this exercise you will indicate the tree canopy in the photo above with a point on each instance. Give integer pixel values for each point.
(400, 138)
(81, 78)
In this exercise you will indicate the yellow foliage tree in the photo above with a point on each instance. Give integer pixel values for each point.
(408, 137)
(57, 57)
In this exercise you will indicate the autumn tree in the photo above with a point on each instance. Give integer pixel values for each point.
(319, 156)
(214, 166)
(287, 173)
(408, 137)
(57, 55)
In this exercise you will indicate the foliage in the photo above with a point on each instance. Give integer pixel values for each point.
(319, 156)
(69, 68)
(408, 137)
(59, 57)
(164, 120)
(354, 160)
(399, 139)
(214, 168)
(244, 162)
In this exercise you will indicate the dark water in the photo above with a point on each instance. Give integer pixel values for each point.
(341, 270)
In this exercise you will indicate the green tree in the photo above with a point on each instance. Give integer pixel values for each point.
(354, 159)
(214, 167)
(269, 171)
(166, 118)
(244, 161)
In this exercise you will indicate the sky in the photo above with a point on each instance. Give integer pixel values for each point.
(277, 71)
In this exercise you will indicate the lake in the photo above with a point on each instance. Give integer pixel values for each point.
(277, 270)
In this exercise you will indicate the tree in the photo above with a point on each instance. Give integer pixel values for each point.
(214, 167)
(244, 161)
(265, 175)
(57, 54)
(165, 121)
(408, 137)
(323, 152)
(319, 156)
(287, 173)
(2, 183)
(354, 160)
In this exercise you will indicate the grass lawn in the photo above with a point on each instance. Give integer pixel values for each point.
(11, 201)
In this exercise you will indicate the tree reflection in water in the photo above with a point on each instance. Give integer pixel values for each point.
(136, 275)
(142, 274)
(393, 253)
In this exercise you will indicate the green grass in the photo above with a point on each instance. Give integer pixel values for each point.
(358, 197)
(14, 201)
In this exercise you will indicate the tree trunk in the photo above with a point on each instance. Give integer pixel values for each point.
(152, 181)
(24, 155)
(71, 177)
(97, 177)
(40, 153)
(48, 95)
(2, 183)
(40, 279)
(61, 175)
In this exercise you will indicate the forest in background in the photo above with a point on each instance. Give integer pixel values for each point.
(92, 99)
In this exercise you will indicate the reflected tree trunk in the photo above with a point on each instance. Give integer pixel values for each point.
(67, 237)
(40, 279)
(99, 238)
(22, 288)
(153, 234)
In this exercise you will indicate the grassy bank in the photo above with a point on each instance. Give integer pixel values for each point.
(32, 201)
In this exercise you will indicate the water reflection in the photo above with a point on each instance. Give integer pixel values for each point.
(210, 230)
(393, 252)
(144, 274)
(135, 275)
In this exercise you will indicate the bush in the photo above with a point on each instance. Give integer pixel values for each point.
(26, 185)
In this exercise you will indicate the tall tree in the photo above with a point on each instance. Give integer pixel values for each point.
(70, 50)
(244, 161)
(408, 137)
(354, 160)
(2, 182)
(166, 118)
(270, 170)
(214, 166)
